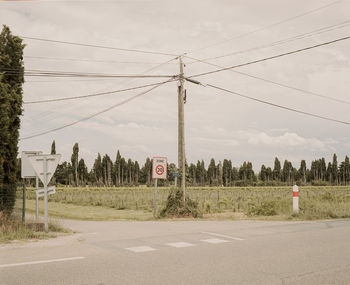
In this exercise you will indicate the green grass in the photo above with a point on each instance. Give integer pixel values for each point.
(136, 203)
(71, 211)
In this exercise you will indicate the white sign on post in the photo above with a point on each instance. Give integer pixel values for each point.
(45, 166)
(159, 168)
(41, 192)
(27, 170)
(38, 165)
(159, 171)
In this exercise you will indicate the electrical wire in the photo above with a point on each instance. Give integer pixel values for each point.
(275, 83)
(68, 105)
(91, 95)
(271, 57)
(268, 26)
(276, 105)
(284, 41)
(98, 113)
(97, 46)
(50, 73)
(87, 60)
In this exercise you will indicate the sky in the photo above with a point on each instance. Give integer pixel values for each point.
(218, 124)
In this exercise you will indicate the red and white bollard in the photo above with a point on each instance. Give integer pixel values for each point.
(295, 199)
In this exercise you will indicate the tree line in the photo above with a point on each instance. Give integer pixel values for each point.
(121, 171)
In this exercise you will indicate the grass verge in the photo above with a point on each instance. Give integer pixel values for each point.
(12, 229)
(92, 213)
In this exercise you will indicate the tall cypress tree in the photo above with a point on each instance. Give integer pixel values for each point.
(53, 147)
(11, 80)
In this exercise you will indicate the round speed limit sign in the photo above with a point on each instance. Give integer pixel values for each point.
(159, 168)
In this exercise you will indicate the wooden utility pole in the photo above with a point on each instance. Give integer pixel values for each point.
(181, 134)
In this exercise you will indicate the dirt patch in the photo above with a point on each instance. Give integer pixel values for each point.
(225, 216)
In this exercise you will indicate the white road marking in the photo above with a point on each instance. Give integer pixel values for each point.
(223, 236)
(180, 244)
(41, 261)
(140, 248)
(214, 240)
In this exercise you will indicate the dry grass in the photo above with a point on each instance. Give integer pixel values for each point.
(12, 229)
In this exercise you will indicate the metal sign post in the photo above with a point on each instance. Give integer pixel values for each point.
(176, 175)
(159, 171)
(44, 167)
(46, 212)
(155, 198)
(36, 197)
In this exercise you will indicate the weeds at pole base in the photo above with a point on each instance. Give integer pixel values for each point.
(176, 207)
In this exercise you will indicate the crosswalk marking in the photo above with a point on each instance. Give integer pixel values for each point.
(141, 248)
(214, 240)
(223, 236)
(180, 244)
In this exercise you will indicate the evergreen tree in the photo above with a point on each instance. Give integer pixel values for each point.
(277, 170)
(117, 168)
(107, 170)
(212, 172)
(227, 172)
(74, 161)
(269, 174)
(335, 169)
(262, 174)
(137, 173)
(97, 170)
(11, 59)
(83, 172)
(53, 147)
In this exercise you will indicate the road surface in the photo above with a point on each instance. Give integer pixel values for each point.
(184, 252)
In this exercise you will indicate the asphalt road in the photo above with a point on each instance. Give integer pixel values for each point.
(185, 252)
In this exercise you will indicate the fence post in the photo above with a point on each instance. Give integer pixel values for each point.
(24, 204)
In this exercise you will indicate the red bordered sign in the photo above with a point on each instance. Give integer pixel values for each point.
(159, 168)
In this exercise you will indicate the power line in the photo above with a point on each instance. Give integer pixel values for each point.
(275, 83)
(58, 81)
(286, 40)
(98, 113)
(268, 26)
(50, 73)
(97, 46)
(88, 60)
(124, 81)
(90, 95)
(276, 105)
(271, 57)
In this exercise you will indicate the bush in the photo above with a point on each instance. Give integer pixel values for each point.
(176, 207)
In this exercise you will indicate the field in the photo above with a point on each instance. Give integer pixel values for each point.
(136, 203)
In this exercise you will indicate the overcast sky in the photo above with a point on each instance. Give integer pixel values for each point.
(217, 124)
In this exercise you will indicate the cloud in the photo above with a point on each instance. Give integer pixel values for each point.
(288, 140)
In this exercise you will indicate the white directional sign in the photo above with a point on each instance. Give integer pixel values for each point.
(27, 170)
(50, 190)
(159, 168)
(38, 163)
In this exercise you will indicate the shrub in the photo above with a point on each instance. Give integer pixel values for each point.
(176, 207)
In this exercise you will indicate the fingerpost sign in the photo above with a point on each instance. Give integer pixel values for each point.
(159, 171)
